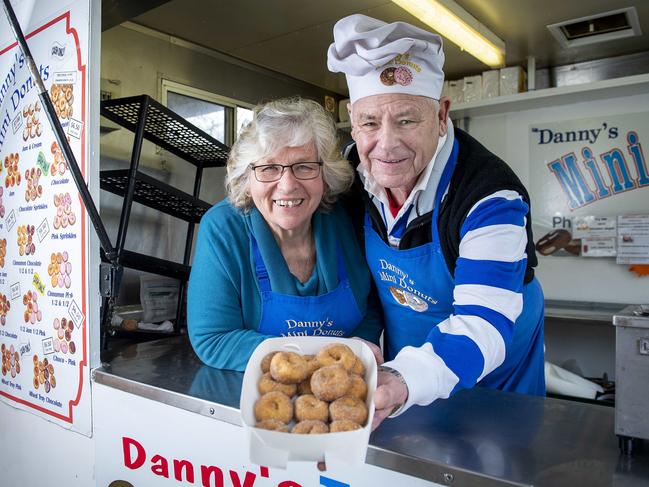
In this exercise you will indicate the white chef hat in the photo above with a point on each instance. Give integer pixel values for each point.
(379, 58)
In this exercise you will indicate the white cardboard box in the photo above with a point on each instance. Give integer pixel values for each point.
(472, 88)
(490, 84)
(456, 91)
(512, 80)
(276, 449)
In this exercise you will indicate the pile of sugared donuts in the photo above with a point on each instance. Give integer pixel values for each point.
(312, 394)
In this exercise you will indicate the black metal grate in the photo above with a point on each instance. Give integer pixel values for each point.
(168, 130)
(153, 265)
(156, 194)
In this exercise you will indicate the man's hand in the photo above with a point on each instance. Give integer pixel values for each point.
(390, 393)
(378, 355)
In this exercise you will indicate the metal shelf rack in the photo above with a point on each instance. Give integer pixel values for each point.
(152, 121)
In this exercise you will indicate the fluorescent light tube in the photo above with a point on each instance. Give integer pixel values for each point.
(458, 26)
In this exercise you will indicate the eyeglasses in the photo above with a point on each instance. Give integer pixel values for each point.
(267, 173)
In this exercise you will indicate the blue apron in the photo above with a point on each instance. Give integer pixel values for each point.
(335, 313)
(416, 292)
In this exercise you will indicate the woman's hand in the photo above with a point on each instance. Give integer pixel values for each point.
(378, 355)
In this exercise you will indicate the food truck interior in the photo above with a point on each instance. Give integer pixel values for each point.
(213, 68)
(171, 84)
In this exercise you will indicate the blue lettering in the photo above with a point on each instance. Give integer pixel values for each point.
(572, 181)
(327, 482)
(618, 170)
(635, 149)
(602, 189)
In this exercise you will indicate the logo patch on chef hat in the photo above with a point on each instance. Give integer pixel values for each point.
(396, 76)
(401, 74)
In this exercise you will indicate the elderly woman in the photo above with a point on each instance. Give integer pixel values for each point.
(279, 257)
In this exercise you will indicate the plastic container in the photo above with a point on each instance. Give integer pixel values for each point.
(276, 449)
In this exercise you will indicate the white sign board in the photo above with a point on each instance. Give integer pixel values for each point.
(43, 228)
(192, 449)
(589, 167)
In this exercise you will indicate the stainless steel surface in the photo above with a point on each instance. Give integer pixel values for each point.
(632, 373)
(582, 310)
(631, 316)
(292, 36)
(478, 437)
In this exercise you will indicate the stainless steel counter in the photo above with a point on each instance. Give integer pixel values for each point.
(582, 310)
(478, 437)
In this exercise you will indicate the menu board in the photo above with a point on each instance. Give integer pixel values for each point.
(598, 235)
(585, 167)
(43, 229)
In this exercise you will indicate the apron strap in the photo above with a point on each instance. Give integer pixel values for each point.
(262, 272)
(443, 185)
(260, 268)
(400, 227)
(340, 257)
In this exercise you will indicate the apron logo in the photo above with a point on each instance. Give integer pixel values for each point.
(404, 298)
(403, 290)
(311, 328)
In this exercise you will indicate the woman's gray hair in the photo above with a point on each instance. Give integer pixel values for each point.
(287, 122)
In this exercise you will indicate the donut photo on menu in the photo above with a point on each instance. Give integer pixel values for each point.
(553, 241)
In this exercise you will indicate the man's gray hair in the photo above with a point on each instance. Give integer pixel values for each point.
(287, 122)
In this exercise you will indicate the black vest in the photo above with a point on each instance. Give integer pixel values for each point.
(478, 173)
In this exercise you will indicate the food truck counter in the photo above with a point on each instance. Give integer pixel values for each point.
(477, 437)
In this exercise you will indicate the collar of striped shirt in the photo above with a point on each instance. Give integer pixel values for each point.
(422, 196)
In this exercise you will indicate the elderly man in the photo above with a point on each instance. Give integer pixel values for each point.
(447, 227)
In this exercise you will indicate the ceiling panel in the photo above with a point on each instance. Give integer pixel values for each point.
(292, 36)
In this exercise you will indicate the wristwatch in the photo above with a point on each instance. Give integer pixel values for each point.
(397, 374)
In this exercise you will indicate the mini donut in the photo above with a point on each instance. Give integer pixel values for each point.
(273, 425)
(310, 427)
(358, 388)
(358, 368)
(304, 387)
(343, 425)
(310, 407)
(312, 363)
(348, 407)
(274, 405)
(265, 362)
(267, 384)
(330, 382)
(288, 368)
(338, 354)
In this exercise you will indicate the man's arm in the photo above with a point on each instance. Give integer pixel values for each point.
(489, 276)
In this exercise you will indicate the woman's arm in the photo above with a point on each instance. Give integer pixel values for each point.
(216, 325)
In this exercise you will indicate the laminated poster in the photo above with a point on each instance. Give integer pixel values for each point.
(598, 235)
(633, 239)
(584, 167)
(43, 229)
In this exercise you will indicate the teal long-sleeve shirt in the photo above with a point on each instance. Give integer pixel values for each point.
(224, 300)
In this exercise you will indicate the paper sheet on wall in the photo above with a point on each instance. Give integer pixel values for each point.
(598, 235)
(633, 239)
(43, 230)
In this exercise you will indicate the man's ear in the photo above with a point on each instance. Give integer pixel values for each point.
(444, 108)
(351, 119)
